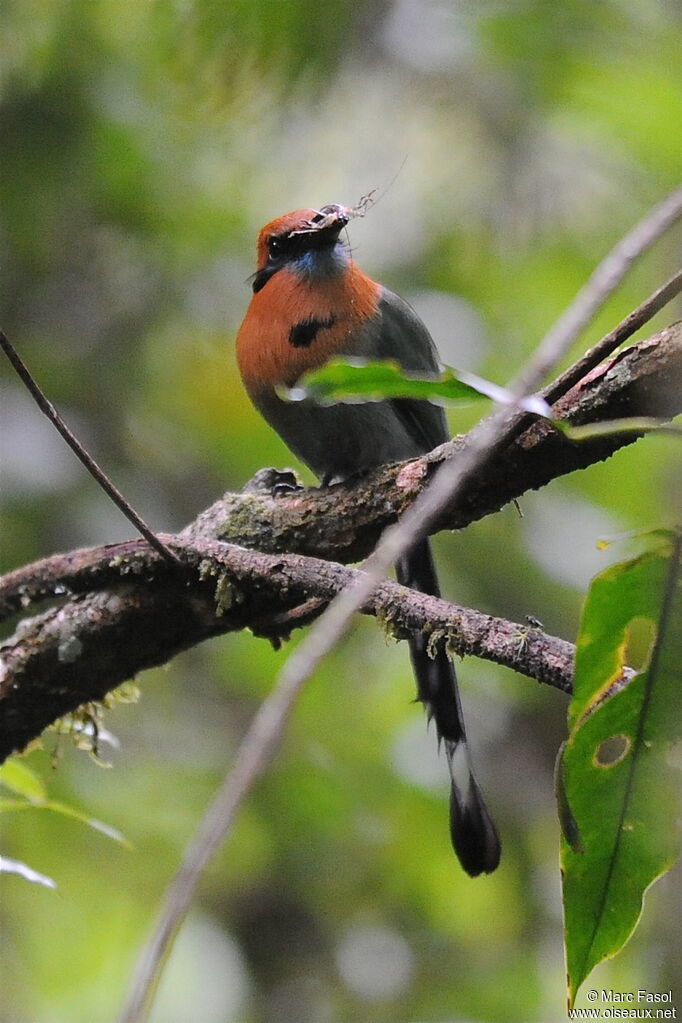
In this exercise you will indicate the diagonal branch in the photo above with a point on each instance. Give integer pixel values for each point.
(48, 409)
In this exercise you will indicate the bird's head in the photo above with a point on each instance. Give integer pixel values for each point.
(306, 242)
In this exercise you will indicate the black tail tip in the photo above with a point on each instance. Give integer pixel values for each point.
(472, 832)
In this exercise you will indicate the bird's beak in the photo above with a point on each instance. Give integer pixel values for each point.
(331, 216)
(330, 220)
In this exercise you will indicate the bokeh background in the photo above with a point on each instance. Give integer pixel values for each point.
(142, 145)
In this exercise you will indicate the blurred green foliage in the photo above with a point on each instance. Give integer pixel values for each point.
(143, 145)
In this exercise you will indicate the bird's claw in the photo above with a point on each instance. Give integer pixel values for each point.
(273, 482)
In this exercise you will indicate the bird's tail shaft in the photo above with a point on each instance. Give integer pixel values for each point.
(473, 834)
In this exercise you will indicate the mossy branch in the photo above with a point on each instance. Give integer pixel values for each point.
(122, 608)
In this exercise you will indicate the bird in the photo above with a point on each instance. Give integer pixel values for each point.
(312, 303)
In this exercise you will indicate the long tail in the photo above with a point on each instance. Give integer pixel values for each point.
(472, 832)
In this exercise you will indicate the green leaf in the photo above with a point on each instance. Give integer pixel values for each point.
(19, 778)
(67, 811)
(635, 424)
(618, 790)
(346, 380)
(16, 804)
(9, 866)
(92, 822)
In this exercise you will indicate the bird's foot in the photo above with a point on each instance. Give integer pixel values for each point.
(273, 482)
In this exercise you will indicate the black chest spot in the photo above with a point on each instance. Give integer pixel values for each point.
(303, 333)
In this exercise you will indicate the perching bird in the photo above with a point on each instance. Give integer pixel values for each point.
(312, 303)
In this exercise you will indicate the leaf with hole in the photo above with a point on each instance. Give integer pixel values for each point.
(618, 790)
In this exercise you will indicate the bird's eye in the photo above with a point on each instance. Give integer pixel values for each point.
(275, 246)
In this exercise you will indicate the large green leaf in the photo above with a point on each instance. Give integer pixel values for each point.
(342, 380)
(619, 795)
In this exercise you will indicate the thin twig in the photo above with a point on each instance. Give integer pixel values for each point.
(448, 484)
(601, 284)
(608, 344)
(255, 753)
(88, 461)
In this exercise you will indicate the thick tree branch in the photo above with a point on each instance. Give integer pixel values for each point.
(123, 608)
(344, 522)
(77, 652)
